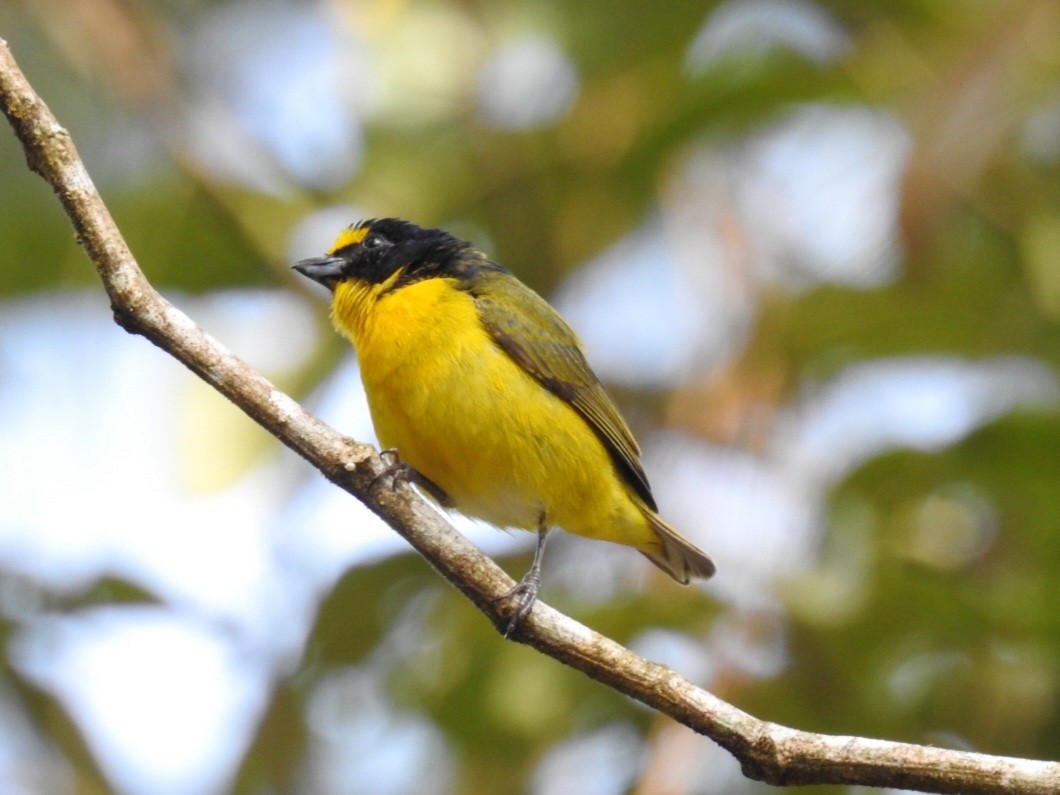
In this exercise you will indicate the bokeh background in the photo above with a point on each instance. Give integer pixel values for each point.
(813, 249)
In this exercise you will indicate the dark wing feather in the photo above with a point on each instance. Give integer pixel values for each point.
(534, 335)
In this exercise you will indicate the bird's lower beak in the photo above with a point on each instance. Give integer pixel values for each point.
(323, 270)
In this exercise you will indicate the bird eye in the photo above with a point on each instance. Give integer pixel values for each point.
(375, 241)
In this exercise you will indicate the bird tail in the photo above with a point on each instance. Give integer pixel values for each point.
(676, 555)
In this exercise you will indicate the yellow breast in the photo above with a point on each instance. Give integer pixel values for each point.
(463, 413)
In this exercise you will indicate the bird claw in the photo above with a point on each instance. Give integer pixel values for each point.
(399, 472)
(526, 591)
(396, 470)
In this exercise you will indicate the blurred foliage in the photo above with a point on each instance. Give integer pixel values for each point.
(928, 650)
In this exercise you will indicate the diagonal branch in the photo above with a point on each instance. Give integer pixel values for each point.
(767, 751)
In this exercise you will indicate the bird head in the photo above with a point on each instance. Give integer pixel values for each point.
(380, 250)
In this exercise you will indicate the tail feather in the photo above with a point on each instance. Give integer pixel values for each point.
(677, 556)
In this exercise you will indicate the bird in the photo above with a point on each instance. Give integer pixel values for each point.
(483, 393)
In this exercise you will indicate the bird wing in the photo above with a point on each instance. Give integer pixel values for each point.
(534, 335)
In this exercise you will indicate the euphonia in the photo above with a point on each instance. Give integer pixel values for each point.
(484, 391)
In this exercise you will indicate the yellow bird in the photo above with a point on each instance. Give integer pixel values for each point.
(484, 391)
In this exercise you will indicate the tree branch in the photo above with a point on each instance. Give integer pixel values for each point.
(766, 751)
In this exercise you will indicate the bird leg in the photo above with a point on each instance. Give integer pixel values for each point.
(526, 589)
(399, 472)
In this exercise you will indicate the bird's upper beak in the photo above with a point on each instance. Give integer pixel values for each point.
(323, 270)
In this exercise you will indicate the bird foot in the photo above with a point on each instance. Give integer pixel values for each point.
(526, 592)
(398, 472)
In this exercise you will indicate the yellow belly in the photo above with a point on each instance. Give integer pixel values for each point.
(465, 415)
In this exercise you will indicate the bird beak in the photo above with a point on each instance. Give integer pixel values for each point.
(323, 270)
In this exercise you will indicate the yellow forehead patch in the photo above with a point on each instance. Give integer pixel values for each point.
(349, 236)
